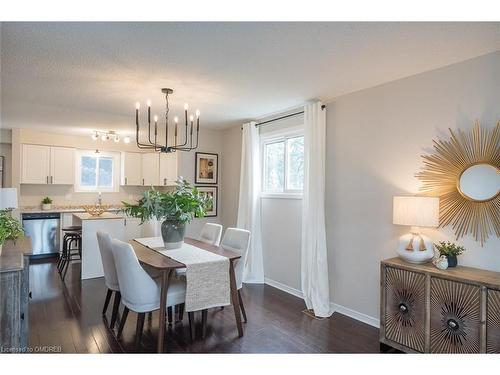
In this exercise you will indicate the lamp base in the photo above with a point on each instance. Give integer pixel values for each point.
(422, 248)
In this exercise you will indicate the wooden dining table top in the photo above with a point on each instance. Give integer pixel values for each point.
(160, 261)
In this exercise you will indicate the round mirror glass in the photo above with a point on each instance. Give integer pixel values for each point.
(480, 182)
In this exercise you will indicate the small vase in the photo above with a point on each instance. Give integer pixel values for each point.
(46, 206)
(172, 233)
(452, 260)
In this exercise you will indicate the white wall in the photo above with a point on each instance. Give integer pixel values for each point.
(374, 141)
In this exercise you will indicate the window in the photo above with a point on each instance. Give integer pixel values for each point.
(283, 164)
(97, 171)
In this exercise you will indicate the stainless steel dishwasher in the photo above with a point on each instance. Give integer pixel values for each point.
(44, 230)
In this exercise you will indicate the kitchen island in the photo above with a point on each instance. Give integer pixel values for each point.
(108, 222)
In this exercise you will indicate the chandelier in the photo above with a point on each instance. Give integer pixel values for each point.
(152, 137)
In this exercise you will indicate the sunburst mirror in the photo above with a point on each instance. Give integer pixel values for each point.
(464, 172)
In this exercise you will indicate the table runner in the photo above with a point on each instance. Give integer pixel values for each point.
(207, 274)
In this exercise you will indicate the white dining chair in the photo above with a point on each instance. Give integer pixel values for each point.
(110, 276)
(211, 234)
(140, 292)
(238, 240)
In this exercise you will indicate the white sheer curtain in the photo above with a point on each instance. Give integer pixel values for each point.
(314, 264)
(249, 203)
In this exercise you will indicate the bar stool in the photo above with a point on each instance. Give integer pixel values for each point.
(72, 247)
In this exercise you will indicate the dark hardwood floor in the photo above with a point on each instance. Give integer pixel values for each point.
(67, 317)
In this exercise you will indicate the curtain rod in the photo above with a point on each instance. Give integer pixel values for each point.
(282, 117)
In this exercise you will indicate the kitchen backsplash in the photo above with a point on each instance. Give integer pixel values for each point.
(64, 196)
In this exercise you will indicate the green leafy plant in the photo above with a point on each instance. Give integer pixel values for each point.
(46, 200)
(10, 228)
(181, 205)
(448, 248)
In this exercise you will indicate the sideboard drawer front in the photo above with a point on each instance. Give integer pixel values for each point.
(455, 317)
(493, 322)
(405, 308)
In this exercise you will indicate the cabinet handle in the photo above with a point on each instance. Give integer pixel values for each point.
(125, 222)
(125, 180)
(403, 308)
(22, 316)
(47, 178)
(164, 181)
(30, 295)
(51, 179)
(452, 324)
(143, 182)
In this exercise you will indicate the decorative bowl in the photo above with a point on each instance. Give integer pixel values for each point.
(95, 210)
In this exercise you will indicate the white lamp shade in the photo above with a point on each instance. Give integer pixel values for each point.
(416, 211)
(8, 198)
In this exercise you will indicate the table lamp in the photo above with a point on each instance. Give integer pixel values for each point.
(416, 212)
(8, 199)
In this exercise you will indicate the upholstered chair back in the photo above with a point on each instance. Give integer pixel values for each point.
(211, 234)
(108, 263)
(237, 240)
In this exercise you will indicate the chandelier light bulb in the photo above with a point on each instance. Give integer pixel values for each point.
(197, 113)
(176, 119)
(126, 140)
(149, 103)
(137, 105)
(186, 107)
(191, 117)
(156, 118)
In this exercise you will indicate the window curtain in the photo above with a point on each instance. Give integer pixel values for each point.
(314, 264)
(249, 203)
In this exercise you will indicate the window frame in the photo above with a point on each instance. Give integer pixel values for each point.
(78, 188)
(275, 137)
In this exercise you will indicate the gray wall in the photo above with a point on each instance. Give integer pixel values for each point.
(374, 141)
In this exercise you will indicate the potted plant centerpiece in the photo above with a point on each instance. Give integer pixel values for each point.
(175, 209)
(46, 203)
(10, 228)
(450, 250)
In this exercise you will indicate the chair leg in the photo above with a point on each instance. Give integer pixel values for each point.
(204, 314)
(182, 306)
(243, 312)
(116, 305)
(192, 328)
(139, 328)
(169, 313)
(106, 301)
(122, 322)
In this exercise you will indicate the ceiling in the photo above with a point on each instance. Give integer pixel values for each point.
(76, 77)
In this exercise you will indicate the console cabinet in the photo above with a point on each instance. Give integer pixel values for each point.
(427, 310)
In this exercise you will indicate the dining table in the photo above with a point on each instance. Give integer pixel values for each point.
(166, 266)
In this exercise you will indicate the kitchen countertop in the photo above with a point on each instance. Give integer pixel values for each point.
(62, 209)
(104, 216)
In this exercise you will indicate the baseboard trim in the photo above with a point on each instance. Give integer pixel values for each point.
(335, 307)
(355, 315)
(284, 288)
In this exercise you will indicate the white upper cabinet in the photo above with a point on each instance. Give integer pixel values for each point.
(168, 168)
(150, 169)
(131, 168)
(62, 165)
(47, 165)
(35, 164)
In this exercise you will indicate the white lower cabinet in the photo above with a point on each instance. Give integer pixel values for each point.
(133, 229)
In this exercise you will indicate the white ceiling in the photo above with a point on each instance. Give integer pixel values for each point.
(81, 76)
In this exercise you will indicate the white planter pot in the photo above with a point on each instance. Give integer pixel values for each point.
(46, 206)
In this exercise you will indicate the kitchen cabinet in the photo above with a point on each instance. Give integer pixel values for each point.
(150, 169)
(168, 169)
(133, 228)
(62, 165)
(131, 169)
(47, 165)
